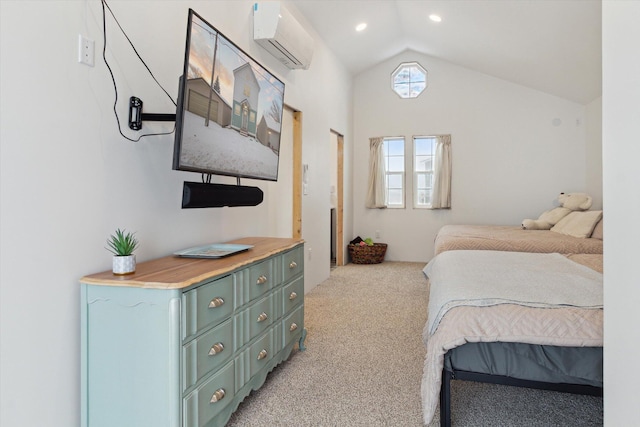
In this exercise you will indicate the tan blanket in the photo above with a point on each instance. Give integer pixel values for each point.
(569, 326)
(593, 261)
(513, 239)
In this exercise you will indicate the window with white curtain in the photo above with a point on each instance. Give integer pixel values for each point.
(428, 162)
(423, 162)
(393, 150)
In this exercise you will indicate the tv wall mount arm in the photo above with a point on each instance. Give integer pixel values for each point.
(136, 116)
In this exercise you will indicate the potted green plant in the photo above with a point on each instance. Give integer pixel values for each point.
(121, 245)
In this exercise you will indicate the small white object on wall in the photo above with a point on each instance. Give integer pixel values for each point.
(305, 179)
(86, 50)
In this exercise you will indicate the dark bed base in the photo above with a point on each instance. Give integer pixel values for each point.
(445, 389)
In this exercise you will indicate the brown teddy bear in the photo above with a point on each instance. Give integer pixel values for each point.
(568, 202)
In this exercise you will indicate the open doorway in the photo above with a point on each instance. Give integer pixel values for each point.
(285, 200)
(336, 172)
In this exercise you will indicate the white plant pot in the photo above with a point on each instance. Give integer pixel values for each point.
(124, 264)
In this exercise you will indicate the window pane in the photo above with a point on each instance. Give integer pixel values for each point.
(395, 147)
(416, 74)
(423, 169)
(429, 180)
(395, 197)
(423, 146)
(394, 181)
(424, 197)
(416, 89)
(422, 180)
(395, 164)
(401, 77)
(402, 89)
(424, 163)
(420, 197)
(425, 180)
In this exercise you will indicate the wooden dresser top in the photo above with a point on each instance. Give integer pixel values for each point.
(173, 272)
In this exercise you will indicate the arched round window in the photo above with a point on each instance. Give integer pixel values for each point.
(409, 80)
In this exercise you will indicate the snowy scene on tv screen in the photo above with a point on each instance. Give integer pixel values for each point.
(232, 109)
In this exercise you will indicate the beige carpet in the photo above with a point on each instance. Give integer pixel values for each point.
(363, 365)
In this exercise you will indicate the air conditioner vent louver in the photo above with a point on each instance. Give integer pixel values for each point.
(276, 30)
(288, 57)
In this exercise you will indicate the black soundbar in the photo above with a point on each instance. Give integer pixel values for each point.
(201, 195)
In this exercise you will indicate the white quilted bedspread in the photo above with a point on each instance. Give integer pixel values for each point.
(483, 278)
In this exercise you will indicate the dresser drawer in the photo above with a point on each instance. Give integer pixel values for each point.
(292, 295)
(292, 325)
(261, 316)
(261, 352)
(210, 398)
(293, 263)
(261, 279)
(207, 305)
(206, 353)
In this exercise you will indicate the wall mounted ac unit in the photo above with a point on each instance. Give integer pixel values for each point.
(276, 30)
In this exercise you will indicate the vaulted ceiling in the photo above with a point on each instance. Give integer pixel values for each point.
(550, 45)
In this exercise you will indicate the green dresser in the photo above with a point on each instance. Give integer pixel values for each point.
(183, 341)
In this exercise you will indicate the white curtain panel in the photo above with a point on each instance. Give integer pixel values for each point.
(441, 196)
(376, 188)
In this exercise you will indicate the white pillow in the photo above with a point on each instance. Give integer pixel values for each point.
(578, 224)
(597, 231)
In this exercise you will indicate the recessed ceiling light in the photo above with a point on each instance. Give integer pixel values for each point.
(435, 18)
(361, 27)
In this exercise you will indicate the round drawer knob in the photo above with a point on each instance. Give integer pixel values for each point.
(293, 265)
(293, 327)
(261, 280)
(293, 296)
(262, 354)
(262, 317)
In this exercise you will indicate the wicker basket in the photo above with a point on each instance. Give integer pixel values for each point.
(368, 254)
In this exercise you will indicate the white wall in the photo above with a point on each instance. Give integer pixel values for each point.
(280, 203)
(594, 151)
(509, 160)
(333, 170)
(621, 151)
(68, 179)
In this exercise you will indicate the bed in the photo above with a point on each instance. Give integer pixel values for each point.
(539, 325)
(515, 239)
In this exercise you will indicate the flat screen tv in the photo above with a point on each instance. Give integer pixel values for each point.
(229, 114)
